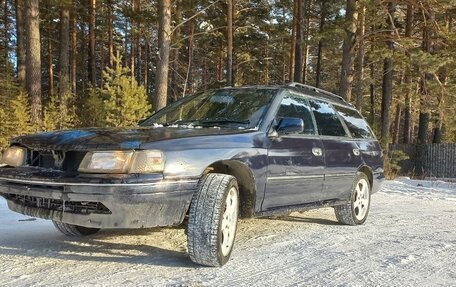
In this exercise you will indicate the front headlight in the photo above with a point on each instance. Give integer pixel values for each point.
(14, 156)
(145, 161)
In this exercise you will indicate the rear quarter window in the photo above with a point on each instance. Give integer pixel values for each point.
(355, 123)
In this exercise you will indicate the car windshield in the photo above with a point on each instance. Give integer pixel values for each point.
(242, 108)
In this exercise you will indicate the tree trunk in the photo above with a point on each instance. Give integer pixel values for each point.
(74, 48)
(176, 81)
(372, 96)
(423, 127)
(348, 50)
(387, 95)
(293, 40)
(438, 134)
(20, 33)
(229, 48)
(91, 58)
(110, 34)
(427, 47)
(307, 15)
(320, 43)
(387, 86)
(299, 46)
(189, 78)
(284, 61)
(359, 88)
(408, 80)
(126, 41)
(33, 59)
(50, 61)
(205, 74)
(422, 135)
(164, 40)
(220, 63)
(132, 39)
(6, 31)
(397, 124)
(146, 64)
(64, 70)
(138, 44)
(407, 115)
(266, 68)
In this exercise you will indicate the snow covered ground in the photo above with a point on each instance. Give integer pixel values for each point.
(409, 239)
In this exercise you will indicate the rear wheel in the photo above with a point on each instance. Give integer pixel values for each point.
(74, 230)
(356, 210)
(213, 220)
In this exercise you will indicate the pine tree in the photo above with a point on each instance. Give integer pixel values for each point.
(92, 112)
(51, 114)
(3, 130)
(122, 101)
(15, 118)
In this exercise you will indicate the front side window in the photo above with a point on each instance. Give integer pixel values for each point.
(244, 108)
(355, 123)
(297, 107)
(328, 121)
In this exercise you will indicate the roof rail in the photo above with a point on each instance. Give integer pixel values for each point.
(317, 90)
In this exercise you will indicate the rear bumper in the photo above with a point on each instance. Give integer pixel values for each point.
(134, 205)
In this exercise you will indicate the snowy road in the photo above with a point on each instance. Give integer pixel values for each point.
(409, 239)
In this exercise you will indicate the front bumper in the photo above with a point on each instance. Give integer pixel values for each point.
(124, 205)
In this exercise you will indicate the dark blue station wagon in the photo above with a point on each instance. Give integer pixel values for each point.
(204, 161)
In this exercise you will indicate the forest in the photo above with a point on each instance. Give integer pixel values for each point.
(77, 63)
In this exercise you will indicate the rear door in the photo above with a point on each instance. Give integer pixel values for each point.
(296, 161)
(365, 139)
(342, 155)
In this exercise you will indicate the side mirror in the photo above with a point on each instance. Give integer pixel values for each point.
(290, 125)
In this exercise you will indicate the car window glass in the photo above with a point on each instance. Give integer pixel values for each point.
(355, 123)
(297, 107)
(328, 123)
(243, 108)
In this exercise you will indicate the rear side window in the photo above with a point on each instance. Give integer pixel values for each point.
(355, 123)
(297, 107)
(328, 121)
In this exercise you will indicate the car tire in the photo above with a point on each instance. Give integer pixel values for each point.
(74, 230)
(213, 217)
(356, 210)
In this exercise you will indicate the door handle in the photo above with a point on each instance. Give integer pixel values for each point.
(317, 151)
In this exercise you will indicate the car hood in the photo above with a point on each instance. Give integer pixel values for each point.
(115, 138)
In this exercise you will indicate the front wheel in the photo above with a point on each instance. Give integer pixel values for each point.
(356, 210)
(74, 230)
(213, 220)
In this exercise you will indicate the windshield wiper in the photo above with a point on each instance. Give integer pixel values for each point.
(225, 121)
(181, 122)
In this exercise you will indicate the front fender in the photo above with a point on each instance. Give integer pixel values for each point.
(193, 163)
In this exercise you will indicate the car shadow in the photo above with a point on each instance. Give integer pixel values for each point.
(118, 245)
(95, 248)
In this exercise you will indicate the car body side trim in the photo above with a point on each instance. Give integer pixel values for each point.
(293, 177)
(339, 174)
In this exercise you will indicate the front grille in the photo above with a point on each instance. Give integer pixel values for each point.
(67, 161)
(77, 207)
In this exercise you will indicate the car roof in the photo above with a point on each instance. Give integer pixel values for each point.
(304, 89)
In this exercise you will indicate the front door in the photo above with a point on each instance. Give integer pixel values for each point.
(296, 161)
